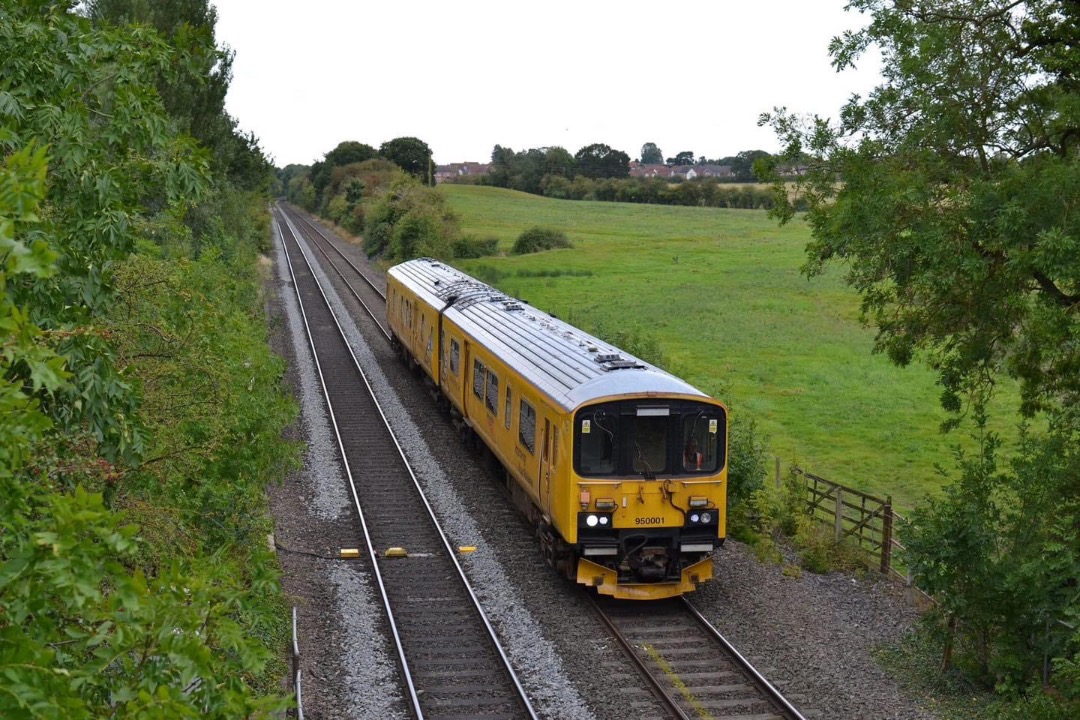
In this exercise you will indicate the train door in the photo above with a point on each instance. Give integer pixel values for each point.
(466, 382)
(543, 480)
(444, 353)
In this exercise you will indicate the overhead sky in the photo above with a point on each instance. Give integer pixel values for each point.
(466, 75)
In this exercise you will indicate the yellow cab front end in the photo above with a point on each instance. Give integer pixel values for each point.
(647, 505)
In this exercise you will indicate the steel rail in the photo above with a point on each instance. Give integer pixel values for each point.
(413, 694)
(319, 245)
(655, 687)
(767, 693)
(774, 694)
(333, 245)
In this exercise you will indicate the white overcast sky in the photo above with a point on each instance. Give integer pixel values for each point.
(466, 75)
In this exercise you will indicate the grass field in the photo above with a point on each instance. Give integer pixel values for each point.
(720, 291)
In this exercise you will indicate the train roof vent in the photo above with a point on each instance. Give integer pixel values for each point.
(512, 305)
(615, 361)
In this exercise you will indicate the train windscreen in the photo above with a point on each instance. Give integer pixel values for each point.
(629, 438)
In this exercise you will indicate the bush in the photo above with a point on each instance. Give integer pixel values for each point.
(474, 247)
(537, 239)
(377, 238)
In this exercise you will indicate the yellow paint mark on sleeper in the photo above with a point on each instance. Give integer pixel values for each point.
(466, 549)
(349, 552)
(396, 552)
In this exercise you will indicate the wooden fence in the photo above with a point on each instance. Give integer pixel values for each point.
(869, 520)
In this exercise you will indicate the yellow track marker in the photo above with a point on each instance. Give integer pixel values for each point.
(396, 552)
(466, 549)
(349, 553)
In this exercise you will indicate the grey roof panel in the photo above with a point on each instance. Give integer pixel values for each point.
(566, 363)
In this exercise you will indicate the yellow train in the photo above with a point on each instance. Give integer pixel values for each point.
(621, 466)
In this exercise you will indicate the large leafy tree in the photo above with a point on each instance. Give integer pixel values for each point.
(651, 154)
(412, 155)
(952, 196)
(601, 161)
(952, 192)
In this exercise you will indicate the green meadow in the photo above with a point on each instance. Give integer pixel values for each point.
(721, 293)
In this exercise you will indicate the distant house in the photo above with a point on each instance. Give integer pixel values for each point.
(649, 171)
(453, 171)
(707, 171)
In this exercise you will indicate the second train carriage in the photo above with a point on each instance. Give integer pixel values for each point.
(621, 466)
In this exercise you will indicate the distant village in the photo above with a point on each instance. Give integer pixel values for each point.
(455, 171)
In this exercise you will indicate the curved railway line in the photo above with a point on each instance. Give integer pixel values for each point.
(690, 669)
(449, 658)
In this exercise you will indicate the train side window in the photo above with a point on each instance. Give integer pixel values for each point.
(509, 408)
(455, 356)
(555, 447)
(492, 400)
(478, 379)
(527, 426)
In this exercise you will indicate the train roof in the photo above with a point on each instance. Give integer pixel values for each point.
(569, 365)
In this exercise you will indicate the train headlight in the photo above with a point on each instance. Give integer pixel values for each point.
(591, 521)
(706, 517)
(695, 518)
(604, 519)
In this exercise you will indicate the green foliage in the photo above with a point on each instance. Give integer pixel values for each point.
(748, 457)
(411, 155)
(538, 239)
(408, 220)
(955, 214)
(651, 154)
(1001, 553)
(100, 617)
(469, 246)
(601, 161)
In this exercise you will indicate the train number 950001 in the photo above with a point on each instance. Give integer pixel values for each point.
(649, 521)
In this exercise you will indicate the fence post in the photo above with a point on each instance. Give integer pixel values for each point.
(839, 514)
(886, 535)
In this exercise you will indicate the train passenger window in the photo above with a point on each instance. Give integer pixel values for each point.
(701, 443)
(492, 400)
(649, 452)
(478, 379)
(527, 426)
(596, 441)
(455, 356)
(509, 408)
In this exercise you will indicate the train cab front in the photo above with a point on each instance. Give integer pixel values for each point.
(651, 490)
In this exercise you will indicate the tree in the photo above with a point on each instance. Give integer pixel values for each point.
(958, 213)
(951, 194)
(559, 161)
(349, 152)
(686, 157)
(411, 155)
(193, 86)
(601, 161)
(743, 164)
(651, 155)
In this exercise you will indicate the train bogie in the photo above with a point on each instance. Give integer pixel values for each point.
(621, 466)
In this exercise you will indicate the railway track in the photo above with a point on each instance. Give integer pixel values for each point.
(450, 661)
(691, 669)
(369, 292)
(687, 665)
